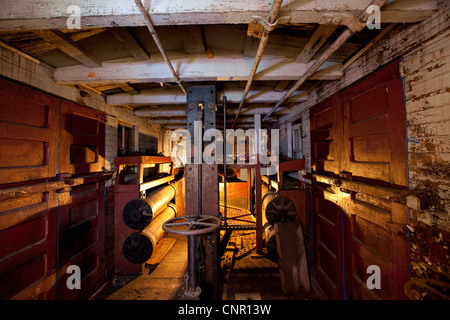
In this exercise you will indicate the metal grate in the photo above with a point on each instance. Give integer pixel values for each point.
(237, 218)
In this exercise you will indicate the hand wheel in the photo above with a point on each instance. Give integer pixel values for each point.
(199, 224)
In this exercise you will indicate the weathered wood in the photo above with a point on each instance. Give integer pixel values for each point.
(315, 42)
(129, 41)
(292, 262)
(176, 96)
(64, 43)
(193, 39)
(48, 14)
(193, 67)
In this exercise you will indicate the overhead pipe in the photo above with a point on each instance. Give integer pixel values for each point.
(345, 35)
(262, 45)
(151, 28)
(138, 213)
(138, 247)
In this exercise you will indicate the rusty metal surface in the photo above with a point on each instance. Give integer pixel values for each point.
(237, 218)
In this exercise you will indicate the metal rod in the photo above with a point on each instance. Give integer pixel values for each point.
(224, 103)
(152, 30)
(324, 57)
(262, 45)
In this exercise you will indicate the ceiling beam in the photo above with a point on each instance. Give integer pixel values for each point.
(175, 96)
(52, 14)
(315, 42)
(64, 43)
(136, 49)
(193, 39)
(194, 67)
(180, 111)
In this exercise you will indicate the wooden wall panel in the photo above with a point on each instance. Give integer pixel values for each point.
(82, 139)
(28, 134)
(44, 139)
(364, 126)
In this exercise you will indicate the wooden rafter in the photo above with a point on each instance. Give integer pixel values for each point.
(64, 43)
(131, 43)
(315, 42)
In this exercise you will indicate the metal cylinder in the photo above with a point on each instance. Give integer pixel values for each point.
(138, 213)
(275, 209)
(280, 209)
(269, 229)
(138, 247)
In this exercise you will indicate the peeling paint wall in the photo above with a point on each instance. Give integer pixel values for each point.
(425, 50)
(427, 97)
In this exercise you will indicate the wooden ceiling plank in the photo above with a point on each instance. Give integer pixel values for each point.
(193, 39)
(64, 43)
(52, 14)
(193, 67)
(131, 43)
(176, 96)
(315, 42)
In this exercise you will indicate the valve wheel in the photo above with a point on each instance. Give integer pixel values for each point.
(194, 225)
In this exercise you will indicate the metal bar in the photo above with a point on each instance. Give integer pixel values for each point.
(149, 24)
(262, 45)
(258, 182)
(345, 35)
(224, 103)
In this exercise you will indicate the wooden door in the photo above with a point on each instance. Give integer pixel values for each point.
(327, 214)
(375, 153)
(82, 207)
(28, 157)
(28, 134)
(45, 223)
(359, 156)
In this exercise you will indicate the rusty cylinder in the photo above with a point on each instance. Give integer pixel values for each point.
(138, 213)
(138, 247)
(269, 229)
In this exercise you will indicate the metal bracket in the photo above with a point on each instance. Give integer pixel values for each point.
(349, 20)
(270, 26)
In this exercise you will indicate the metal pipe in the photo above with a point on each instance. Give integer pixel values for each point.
(324, 57)
(262, 45)
(138, 213)
(269, 229)
(151, 28)
(224, 103)
(138, 247)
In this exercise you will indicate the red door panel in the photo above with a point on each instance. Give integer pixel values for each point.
(82, 139)
(359, 135)
(28, 134)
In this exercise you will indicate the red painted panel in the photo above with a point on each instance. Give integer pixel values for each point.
(82, 139)
(359, 134)
(31, 122)
(28, 134)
